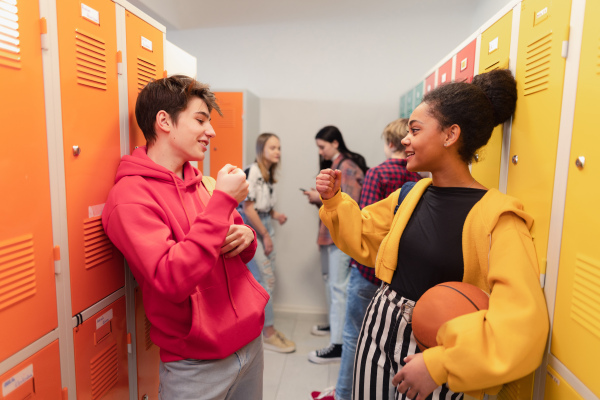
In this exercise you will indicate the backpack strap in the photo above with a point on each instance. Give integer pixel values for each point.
(403, 193)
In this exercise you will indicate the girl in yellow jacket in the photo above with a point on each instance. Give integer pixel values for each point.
(448, 228)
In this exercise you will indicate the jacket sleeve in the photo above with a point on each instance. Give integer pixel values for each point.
(507, 341)
(173, 268)
(248, 253)
(357, 232)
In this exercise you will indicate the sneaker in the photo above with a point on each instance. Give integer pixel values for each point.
(327, 394)
(279, 343)
(327, 355)
(320, 330)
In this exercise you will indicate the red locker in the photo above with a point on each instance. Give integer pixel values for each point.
(465, 63)
(27, 287)
(444, 73)
(430, 83)
(91, 137)
(38, 377)
(101, 369)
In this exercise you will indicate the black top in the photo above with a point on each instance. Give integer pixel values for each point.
(430, 250)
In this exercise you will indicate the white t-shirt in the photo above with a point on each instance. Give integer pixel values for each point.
(262, 193)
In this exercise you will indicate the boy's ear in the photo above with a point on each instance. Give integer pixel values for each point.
(163, 121)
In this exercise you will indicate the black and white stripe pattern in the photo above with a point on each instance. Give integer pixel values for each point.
(385, 339)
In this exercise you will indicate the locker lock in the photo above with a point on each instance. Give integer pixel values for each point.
(580, 162)
(76, 150)
(145, 397)
(515, 159)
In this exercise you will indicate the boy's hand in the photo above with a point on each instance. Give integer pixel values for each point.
(414, 379)
(329, 182)
(232, 181)
(238, 238)
(313, 197)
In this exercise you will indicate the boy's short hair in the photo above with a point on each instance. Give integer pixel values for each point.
(171, 95)
(394, 132)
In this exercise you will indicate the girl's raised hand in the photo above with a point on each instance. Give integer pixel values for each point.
(329, 182)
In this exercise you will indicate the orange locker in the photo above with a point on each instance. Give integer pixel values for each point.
(444, 73)
(38, 377)
(27, 287)
(91, 137)
(227, 146)
(465, 63)
(145, 56)
(148, 357)
(430, 83)
(101, 369)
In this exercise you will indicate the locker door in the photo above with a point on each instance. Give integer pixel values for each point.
(148, 357)
(494, 53)
(444, 73)
(430, 83)
(27, 288)
(144, 64)
(576, 328)
(38, 377)
(557, 388)
(418, 94)
(91, 137)
(227, 146)
(534, 138)
(101, 354)
(403, 106)
(465, 63)
(410, 104)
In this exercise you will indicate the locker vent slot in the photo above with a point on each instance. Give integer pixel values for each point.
(90, 54)
(147, 324)
(519, 389)
(10, 50)
(510, 391)
(492, 66)
(97, 247)
(585, 304)
(17, 270)
(104, 371)
(230, 122)
(146, 72)
(537, 65)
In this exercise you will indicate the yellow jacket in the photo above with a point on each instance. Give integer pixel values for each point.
(484, 349)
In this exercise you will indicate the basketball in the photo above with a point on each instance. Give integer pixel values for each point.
(442, 303)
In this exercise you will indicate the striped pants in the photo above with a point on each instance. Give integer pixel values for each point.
(385, 339)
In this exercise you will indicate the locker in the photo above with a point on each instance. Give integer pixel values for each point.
(91, 137)
(557, 388)
(100, 345)
(465, 63)
(403, 106)
(227, 146)
(444, 73)
(38, 377)
(430, 83)
(534, 138)
(493, 54)
(418, 94)
(27, 287)
(576, 329)
(145, 56)
(410, 104)
(148, 357)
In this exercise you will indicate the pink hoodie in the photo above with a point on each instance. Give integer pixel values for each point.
(201, 305)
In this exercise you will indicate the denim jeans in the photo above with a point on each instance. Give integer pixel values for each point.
(335, 266)
(360, 294)
(237, 377)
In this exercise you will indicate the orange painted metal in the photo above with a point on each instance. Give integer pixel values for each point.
(227, 146)
(27, 284)
(148, 357)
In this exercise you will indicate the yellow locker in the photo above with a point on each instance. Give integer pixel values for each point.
(576, 329)
(493, 54)
(540, 75)
(557, 388)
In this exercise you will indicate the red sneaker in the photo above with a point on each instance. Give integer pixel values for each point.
(327, 394)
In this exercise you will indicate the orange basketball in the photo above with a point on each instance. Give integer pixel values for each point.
(442, 303)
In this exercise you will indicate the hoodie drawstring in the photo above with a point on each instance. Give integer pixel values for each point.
(181, 200)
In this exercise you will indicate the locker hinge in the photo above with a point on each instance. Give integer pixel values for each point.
(129, 348)
(79, 318)
(565, 44)
(44, 33)
(542, 280)
(65, 394)
(119, 62)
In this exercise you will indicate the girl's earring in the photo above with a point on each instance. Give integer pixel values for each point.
(445, 144)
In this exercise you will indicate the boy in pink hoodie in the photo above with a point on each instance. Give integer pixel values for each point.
(187, 248)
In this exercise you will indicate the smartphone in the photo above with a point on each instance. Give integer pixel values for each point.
(302, 190)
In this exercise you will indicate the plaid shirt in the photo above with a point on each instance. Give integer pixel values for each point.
(352, 181)
(379, 183)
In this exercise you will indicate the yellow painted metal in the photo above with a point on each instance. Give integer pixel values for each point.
(494, 53)
(576, 328)
(534, 137)
(557, 388)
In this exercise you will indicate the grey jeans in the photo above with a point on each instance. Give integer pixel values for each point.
(239, 376)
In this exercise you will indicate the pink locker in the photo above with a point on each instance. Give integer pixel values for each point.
(465, 63)
(444, 73)
(430, 83)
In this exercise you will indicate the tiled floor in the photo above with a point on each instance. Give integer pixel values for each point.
(292, 376)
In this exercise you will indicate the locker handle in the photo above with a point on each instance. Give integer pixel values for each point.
(580, 162)
(515, 159)
(76, 151)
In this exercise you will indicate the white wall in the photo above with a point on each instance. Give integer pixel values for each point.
(347, 72)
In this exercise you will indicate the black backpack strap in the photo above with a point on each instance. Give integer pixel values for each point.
(403, 192)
